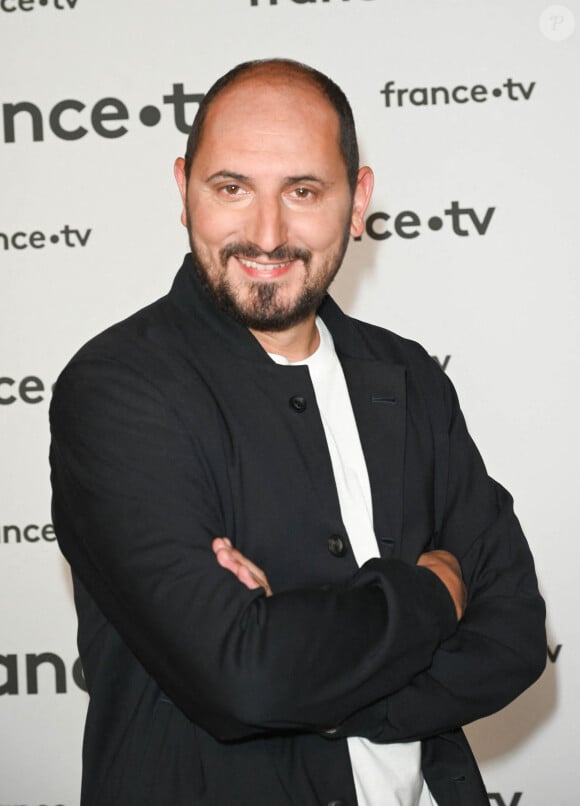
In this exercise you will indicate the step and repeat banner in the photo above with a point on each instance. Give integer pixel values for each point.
(469, 112)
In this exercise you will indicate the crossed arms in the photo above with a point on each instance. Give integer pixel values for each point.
(136, 515)
(442, 563)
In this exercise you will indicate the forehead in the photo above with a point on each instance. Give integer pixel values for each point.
(272, 117)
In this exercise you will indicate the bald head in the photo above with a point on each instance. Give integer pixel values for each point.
(284, 73)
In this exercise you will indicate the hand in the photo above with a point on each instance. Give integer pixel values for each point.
(447, 568)
(232, 560)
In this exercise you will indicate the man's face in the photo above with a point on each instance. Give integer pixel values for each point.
(267, 205)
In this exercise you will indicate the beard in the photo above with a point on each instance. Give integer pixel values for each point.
(262, 306)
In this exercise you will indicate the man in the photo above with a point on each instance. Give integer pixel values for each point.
(242, 423)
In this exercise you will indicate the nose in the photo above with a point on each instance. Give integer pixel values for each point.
(266, 226)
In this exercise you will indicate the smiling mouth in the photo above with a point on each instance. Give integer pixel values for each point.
(252, 264)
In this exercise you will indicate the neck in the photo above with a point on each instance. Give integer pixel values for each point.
(295, 344)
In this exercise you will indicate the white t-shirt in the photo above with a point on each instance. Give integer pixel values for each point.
(384, 774)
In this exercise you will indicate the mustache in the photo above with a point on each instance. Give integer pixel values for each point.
(281, 254)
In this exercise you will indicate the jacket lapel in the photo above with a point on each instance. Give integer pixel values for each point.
(378, 396)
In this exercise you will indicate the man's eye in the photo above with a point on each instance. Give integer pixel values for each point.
(231, 190)
(302, 193)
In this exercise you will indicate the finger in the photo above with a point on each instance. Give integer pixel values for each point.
(256, 572)
(243, 569)
(242, 572)
(220, 543)
(226, 560)
(224, 545)
(240, 558)
(246, 577)
(234, 561)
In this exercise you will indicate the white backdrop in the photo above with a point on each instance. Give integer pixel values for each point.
(89, 231)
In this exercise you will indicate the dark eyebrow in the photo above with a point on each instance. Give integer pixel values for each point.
(289, 180)
(227, 175)
(292, 180)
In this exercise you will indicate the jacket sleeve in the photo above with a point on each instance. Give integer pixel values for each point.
(499, 648)
(135, 508)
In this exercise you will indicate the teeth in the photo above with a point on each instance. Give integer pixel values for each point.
(251, 264)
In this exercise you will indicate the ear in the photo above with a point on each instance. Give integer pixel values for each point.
(362, 195)
(181, 179)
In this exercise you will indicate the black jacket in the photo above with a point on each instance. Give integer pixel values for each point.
(175, 427)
